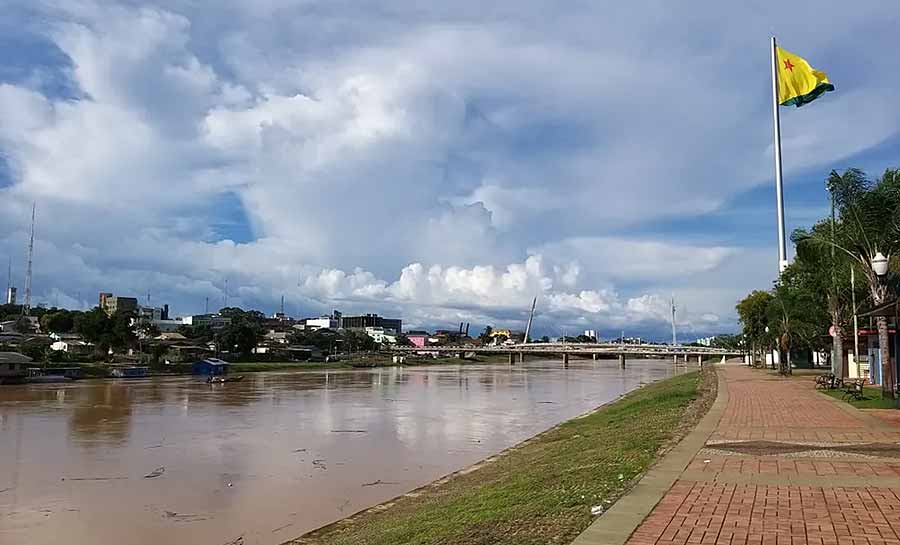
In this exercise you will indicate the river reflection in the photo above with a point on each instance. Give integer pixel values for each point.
(268, 458)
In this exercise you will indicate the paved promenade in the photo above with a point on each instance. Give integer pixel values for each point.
(774, 463)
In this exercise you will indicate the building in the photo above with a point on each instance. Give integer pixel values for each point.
(10, 295)
(210, 367)
(322, 322)
(13, 367)
(214, 321)
(153, 313)
(381, 335)
(112, 304)
(360, 323)
(72, 344)
(511, 336)
(167, 326)
(592, 333)
(418, 338)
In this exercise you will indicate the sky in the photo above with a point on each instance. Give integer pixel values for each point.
(438, 163)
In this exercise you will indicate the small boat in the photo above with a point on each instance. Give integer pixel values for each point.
(46, 376)
(219, 379)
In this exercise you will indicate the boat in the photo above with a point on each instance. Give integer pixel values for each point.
(219, 379)
(39, 375)
(129, 372)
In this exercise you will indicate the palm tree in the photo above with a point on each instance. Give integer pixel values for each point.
(869, 225)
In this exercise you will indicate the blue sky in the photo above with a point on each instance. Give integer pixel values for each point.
(442, 163)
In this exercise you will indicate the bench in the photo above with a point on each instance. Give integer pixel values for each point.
(853, 390)
(829, 381)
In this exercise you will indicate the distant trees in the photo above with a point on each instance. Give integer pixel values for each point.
(61, 321)
(485, 336)
(106, 332)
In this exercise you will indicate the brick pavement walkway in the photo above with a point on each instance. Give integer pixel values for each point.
(785, 466)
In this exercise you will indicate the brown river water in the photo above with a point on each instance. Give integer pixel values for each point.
(175, 460)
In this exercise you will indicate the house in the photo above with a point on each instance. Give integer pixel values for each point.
(210, 367)
(170, 337)
(278, 337)
(76, 347)
(13, 367)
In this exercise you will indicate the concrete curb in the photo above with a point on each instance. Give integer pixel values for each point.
(621, 520)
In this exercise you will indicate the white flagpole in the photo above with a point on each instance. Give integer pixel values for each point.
(779, 197)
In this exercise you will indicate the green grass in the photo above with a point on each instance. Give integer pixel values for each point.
(871, 398)
(539, 492)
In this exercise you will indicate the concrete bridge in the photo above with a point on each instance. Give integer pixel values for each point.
(517, 352)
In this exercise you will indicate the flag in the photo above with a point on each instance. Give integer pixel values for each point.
(798, 82)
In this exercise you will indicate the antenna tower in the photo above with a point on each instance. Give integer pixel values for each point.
(674, 338)
(26, 304)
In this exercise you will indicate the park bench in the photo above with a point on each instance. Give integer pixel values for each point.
(828, 381)
(854, 390)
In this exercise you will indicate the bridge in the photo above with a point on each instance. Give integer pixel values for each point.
(586, 350)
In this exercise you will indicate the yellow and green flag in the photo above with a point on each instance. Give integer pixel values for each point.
(798, 82)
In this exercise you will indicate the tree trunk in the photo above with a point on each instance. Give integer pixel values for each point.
(837, 352)
(887, 370)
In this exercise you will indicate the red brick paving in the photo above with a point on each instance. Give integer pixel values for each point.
(708, 512)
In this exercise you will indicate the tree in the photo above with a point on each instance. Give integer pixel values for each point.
(238, 337)
(795, 317)
(62, 321)
(23, 325)
(824, 273)
(870, 224)
(486, 334)
(403, 340)
(753, 312)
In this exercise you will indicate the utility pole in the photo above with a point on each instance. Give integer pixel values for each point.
(225, 295)
(207, 305)
(282, 304)
(674, 337)
(26, 304)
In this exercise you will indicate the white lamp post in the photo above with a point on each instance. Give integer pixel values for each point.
(880, 264)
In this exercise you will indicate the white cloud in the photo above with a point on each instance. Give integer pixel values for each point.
(438, 161)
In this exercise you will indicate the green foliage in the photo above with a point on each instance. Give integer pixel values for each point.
(486, 334)
(753, 312)
(199, 334)
(104, 331)
(239, 337)
(61, 321)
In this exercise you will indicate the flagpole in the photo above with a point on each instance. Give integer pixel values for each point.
(779, 192)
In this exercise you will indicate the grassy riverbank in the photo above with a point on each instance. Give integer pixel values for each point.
(541, 491)
(871, 398)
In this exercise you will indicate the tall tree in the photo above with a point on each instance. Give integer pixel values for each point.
(823, 272)
(870, 225)
(753, 312)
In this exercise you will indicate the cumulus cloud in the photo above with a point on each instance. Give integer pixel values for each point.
(439, 161)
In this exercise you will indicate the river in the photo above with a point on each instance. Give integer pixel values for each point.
(176, 460)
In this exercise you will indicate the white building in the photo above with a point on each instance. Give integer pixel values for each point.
(322, 322)
(381, 335)
(214, 321)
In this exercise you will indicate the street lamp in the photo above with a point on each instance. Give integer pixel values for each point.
(880, 264)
